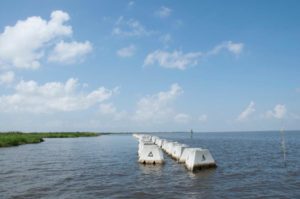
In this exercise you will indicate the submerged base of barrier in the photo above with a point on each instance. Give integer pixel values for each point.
(151, 162)
(201, 167)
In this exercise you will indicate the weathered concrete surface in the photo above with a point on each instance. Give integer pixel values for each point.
(150, 154)
(199, 159)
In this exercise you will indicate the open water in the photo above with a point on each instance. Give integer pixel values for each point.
(250, 165)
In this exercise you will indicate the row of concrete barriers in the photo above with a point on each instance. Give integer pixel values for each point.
(150, 152)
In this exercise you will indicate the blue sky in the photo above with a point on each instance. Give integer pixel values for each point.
(149, 65)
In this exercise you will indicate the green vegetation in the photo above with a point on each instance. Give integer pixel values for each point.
(17, 138)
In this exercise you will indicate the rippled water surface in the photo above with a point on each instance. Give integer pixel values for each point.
(250, 165)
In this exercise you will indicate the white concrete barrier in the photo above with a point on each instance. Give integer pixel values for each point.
(153, 138)
(185, 154)
(178, 150)
(164, 145)
(137, 136)
(169, 148)
(150, 154)
(145, 138)
(141, 145)
(198, 159)
(142, 139)
(159, 142)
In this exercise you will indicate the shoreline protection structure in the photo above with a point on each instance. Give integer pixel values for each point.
(150, 152)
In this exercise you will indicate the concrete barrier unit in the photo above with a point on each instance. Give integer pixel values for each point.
(153, 138)
(142, 139)
(178, 150)
(150, 154)
(170, 147)
(145, 138)
(141, 145)
(185, 154)
(159, 142)
(199, 159)
(164, 145)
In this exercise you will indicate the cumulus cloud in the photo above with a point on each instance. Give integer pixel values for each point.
(157, 107)
(22, 45)
(26, 43)
(69, 53)
(278, 112)
(128, 51)
(109, 109)
(7, 77)
(179, 60)
(163, 12)
(202, 118)
(182, 118)
(175, 59)
(130, 27)
(247, 112)
(29, 96)
(235, 48)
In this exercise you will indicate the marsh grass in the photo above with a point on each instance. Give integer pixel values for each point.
(17, 138)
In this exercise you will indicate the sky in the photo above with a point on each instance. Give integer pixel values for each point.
(123, 66)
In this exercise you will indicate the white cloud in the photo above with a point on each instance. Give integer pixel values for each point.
(71, 52)
(7, 77)
(22, 45)
(247, 112)
(235, 48)
(278, 112)
(157, 107)
(179, 60)
(29, 96)
(130, 27)
(163, 12)
(107, 108)
(202, 118)
(182, 118)
(128, 51)
(110, 110)
(175, 59)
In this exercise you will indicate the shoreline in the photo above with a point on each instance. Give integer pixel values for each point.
(10, 139)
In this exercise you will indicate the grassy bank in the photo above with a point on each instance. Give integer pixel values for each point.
(18, 138)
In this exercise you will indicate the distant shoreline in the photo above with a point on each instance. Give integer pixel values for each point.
(157, 132)
(9, 139)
